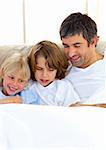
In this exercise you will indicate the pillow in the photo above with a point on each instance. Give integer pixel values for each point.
(101, 46)
(6, 51)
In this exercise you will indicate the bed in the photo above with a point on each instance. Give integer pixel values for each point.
(34, 127)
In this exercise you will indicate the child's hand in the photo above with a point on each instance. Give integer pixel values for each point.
(14, 99)
(75, 104)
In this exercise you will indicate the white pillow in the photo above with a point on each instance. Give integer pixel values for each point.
(101, 46)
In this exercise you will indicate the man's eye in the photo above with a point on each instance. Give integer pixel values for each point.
(77, 45)
(66, 46)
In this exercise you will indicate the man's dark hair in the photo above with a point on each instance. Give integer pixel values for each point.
(78, 23)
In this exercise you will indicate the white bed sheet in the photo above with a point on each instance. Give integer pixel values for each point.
(32, 127)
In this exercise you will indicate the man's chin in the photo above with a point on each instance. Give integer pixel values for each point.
(77, 64)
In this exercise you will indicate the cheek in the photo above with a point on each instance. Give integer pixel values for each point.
(37, 75)
(53, 75)
(21, 87)
(84, 50)
(5, 82)
(66, 51)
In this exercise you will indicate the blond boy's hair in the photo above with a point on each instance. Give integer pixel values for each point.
(15, 63)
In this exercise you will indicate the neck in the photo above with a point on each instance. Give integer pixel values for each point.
(97, 56)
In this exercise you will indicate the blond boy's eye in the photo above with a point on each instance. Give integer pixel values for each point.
(11, 77)
(22, 81)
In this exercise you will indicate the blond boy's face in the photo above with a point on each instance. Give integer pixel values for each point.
(43, 74)
(13, 83)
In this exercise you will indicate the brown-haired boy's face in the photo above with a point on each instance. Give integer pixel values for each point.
(43, 74)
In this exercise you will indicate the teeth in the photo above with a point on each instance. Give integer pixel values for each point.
(12, 88)
(75, 58)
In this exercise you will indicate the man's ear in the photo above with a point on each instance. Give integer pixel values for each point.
(95, 40)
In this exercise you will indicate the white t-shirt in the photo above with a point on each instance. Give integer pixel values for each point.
(59, 93)
(88, 80)
(99, 97)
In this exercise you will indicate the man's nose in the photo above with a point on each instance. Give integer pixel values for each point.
(71, 52)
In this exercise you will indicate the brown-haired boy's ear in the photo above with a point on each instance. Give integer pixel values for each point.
(95, 40)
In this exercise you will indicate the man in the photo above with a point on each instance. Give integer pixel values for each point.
(78, 33)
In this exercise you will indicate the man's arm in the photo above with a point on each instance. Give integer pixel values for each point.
(96, 105)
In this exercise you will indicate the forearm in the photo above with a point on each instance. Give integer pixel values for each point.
(15, 99)
(96, 105)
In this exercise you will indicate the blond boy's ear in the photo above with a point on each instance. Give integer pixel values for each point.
(1, 77)
(1, 73)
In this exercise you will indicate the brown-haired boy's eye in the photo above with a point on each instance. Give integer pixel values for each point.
(51, 69)
(38, 68)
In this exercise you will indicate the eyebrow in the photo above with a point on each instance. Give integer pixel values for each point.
(77, 43)
(64, 44)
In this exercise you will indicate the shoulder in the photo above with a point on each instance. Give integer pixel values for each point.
(64, 83)
(29, 95)
(30, 87)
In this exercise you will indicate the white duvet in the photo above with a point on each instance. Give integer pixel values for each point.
(31, 127)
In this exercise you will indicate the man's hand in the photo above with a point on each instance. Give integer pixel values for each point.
(96, 105)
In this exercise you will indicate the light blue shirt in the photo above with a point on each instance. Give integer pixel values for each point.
(29, 96)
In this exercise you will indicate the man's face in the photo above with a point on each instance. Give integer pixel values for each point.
(77, 50)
